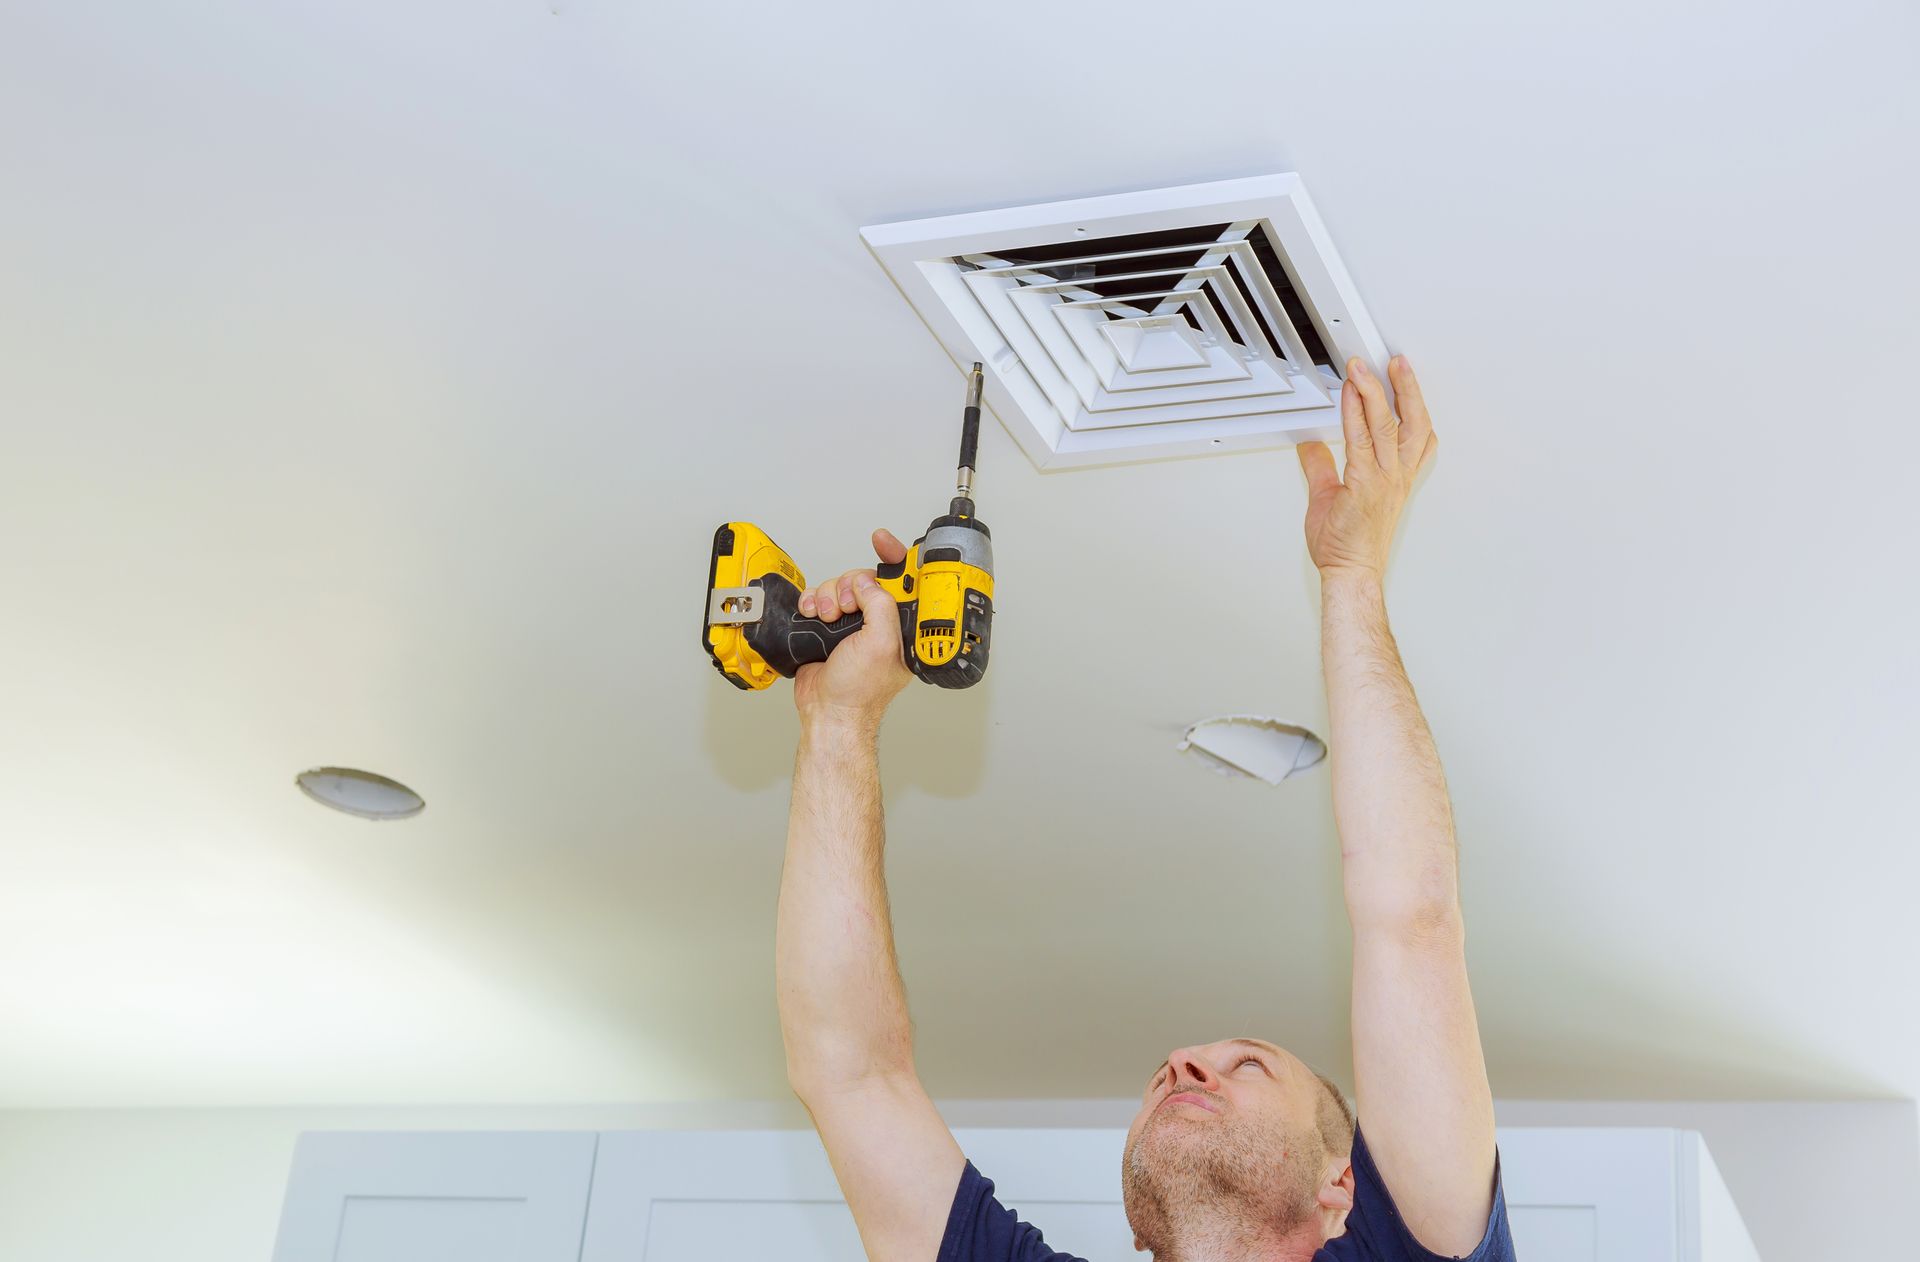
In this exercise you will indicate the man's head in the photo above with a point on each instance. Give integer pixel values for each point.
(1237, 1141)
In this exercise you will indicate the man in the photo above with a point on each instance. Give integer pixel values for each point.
(1239, 1153)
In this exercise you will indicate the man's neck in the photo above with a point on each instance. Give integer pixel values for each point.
(1227, 1241)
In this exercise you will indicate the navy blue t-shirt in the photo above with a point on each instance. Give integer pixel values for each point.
(981, 1229)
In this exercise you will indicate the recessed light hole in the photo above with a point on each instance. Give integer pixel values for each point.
(362, 793)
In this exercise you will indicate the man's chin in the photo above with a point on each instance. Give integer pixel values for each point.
(1175, 1114)
(1177, 1133)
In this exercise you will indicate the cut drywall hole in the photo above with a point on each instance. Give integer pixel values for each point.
(1147, 324)
(360, 793)
(1254, 747)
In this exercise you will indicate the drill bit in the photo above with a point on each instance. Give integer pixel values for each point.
(970, 433)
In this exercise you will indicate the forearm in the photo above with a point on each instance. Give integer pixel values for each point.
(1389, 792)
(843, 1010)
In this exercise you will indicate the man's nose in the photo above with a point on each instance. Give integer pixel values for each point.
(1190, 1066)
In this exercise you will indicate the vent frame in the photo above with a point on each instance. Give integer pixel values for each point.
(927, 260)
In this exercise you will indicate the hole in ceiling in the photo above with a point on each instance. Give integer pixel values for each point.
(361, 793)
(1254, 747)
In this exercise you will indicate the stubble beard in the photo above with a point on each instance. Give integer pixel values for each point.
(1232, 1178)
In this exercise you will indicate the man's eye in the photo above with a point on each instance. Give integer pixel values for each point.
(1250, 1060)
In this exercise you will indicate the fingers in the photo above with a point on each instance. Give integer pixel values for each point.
(840, 595)
(1416, 426)
(832, 598)
(1426, 451)
(1383, 427)
(888, 548)
(1353, 423)
(836, 597)
(1317, 463)
(878, 607)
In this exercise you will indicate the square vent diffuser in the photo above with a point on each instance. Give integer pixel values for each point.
(1181, 321)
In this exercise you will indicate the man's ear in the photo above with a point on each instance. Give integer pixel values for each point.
(1335, 1198)
(1337, 1193)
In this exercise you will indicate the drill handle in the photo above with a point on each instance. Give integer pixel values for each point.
(788, 640)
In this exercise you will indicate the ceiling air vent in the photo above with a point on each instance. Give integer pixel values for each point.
(1179, 321)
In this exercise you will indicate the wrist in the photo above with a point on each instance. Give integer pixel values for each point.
(1352, 577)
(830, 723)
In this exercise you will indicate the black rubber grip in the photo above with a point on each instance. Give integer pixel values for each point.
(969, 437)
(789, 641)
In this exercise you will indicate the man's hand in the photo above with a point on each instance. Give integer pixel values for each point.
(1350, 524)
(867, 672)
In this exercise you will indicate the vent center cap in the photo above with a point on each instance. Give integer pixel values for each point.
(1153, 343)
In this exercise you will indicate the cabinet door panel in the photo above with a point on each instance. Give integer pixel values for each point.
(393, 1229)
(698, 1231)
(443, 1197)
(674, 1196)
(1555, 1233)
(1592, 1193)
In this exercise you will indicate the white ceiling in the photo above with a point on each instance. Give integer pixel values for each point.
(373, 377)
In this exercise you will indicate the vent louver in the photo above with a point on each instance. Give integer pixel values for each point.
(1169, 322)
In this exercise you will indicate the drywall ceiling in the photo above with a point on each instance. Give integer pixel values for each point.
(373, 378)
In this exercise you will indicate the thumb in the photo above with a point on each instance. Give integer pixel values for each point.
(1317, 463)
(887, 546)
(881, 613)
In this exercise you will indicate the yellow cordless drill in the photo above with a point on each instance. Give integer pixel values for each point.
(754, 631)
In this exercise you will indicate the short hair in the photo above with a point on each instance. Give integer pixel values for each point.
(1335, 1118)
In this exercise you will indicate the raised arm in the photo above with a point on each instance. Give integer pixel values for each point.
(1420, 1075)
(843, 1010)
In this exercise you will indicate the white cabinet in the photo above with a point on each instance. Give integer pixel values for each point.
(470, 1196)
(1596, 1193)
(1573, 1195)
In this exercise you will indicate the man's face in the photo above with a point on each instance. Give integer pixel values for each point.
(1229, 1126)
